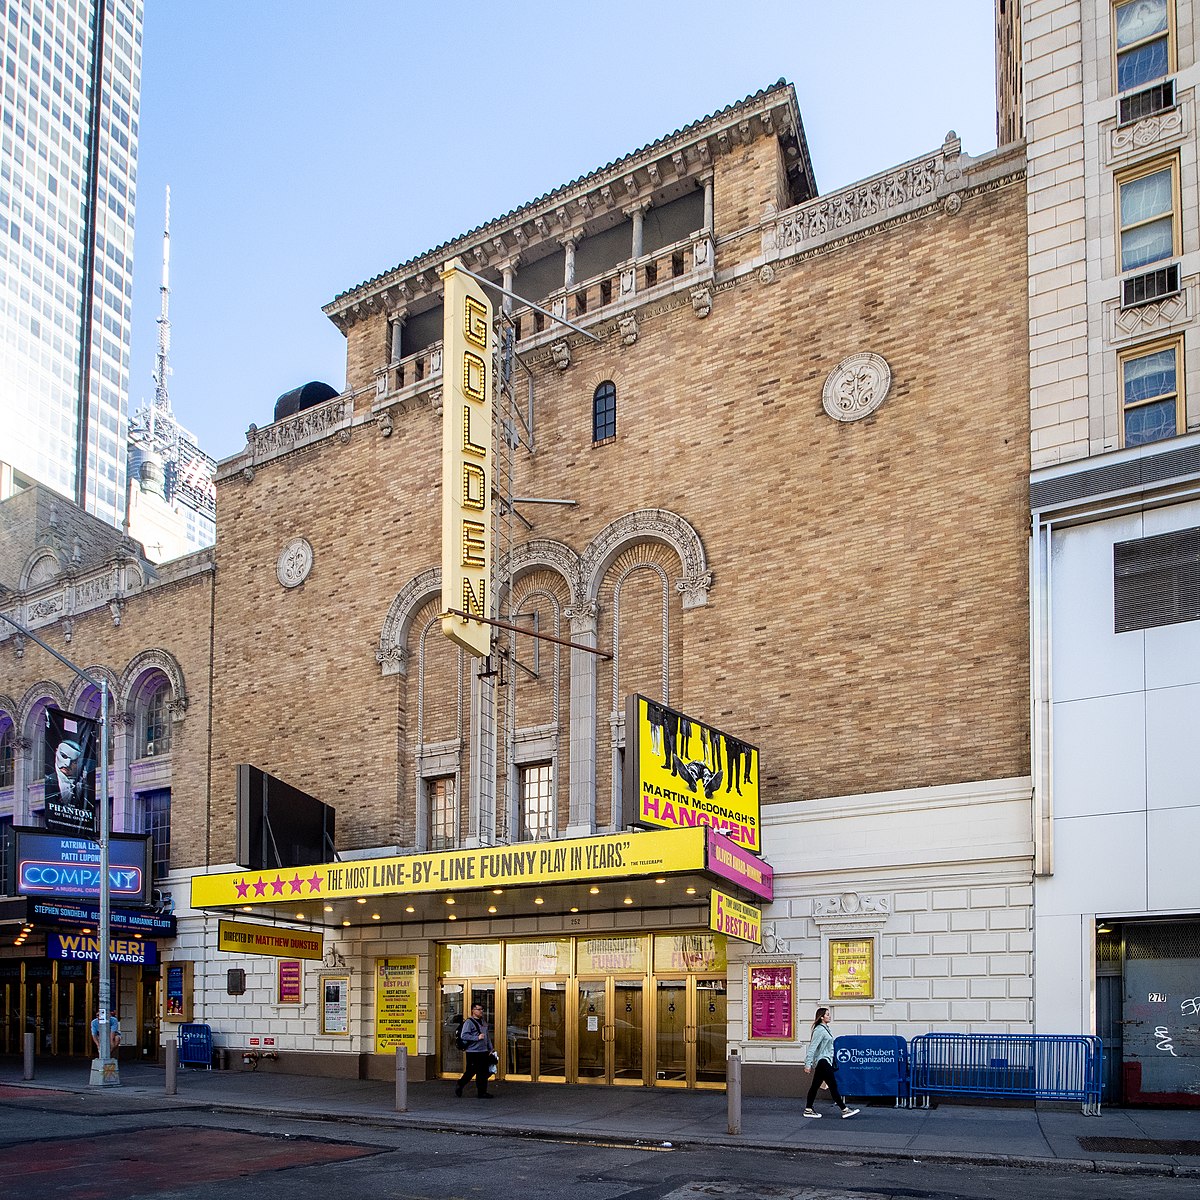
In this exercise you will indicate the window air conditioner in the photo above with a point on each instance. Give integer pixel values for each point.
(1150, 286)
(1146, 103)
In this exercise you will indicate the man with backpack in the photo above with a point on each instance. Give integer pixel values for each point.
(476, 1042)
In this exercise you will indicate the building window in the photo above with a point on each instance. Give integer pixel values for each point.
(155, 726)
(1143, 41)
(604, 411)
(158, 826)
(1151, 395)
(536, 818)
(443, 812)
(1147, 203)
(8, 746)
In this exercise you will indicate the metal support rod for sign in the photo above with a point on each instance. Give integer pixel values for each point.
(545, 637)
(536, 307)
(107, 1074)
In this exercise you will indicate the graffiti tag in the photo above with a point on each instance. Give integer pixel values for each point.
(1163, 1037)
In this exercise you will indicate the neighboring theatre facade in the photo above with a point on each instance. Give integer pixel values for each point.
(789, 502)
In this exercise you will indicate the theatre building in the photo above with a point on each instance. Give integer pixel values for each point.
(638, 643)
(91, 595)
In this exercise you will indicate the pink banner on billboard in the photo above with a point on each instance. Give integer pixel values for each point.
(727, 859)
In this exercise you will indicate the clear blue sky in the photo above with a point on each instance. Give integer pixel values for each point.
(311, 145)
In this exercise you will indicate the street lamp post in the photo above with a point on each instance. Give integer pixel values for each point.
(105, 1072)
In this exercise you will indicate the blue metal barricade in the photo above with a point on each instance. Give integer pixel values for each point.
(1021, 1065)
(872, 1066)
(195, 1046)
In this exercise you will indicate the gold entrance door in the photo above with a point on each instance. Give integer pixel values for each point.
(610, 1031)
(11, 991)
(535, 1041)
(689, 1032)
(711, 1029)
(39, 1005)
(148, 1008)
(73, 1022)
(454, 1007)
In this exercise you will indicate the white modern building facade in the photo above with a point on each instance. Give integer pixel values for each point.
(71, 77)
(1107, 99)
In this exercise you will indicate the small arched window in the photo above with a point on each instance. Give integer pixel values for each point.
(604, 412)
(8, 747)
(154, 729)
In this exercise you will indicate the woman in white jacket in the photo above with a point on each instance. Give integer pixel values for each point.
(819, 1061)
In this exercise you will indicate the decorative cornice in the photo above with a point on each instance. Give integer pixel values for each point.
(293, 433)
(635, 179)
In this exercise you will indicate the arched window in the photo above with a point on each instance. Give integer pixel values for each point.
(604, 411)
(8, 748)
(37, 762)
(154, 728)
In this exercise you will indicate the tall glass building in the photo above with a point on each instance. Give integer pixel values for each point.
(71, 72)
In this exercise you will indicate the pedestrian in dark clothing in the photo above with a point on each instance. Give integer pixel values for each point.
(479, 1054)
(819, 1061)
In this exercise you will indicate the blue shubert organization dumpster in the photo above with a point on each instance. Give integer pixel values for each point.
(872, 1066)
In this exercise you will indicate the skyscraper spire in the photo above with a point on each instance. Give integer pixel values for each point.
(162, 399)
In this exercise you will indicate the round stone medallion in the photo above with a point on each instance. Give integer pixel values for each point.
(856, 387)
(295, 562)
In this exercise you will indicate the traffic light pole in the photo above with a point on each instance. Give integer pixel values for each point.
(105, 1072)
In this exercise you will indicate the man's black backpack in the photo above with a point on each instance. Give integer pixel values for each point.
(459, 1040)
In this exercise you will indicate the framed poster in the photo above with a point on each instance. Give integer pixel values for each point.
(772, 989)
(289, 982)
(396, 1004)
(335, 1005)
(177, 991)
(852, 968)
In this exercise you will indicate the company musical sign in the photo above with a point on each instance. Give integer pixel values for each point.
(50, 864)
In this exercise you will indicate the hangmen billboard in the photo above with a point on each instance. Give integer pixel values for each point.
(680, 772)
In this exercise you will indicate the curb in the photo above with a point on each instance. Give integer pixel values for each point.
(383, 1119)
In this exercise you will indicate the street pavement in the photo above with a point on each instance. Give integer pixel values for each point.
(1120, 1140)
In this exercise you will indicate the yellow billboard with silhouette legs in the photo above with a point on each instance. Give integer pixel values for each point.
(680, 772)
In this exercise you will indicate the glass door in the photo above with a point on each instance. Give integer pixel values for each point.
(454, 1007)
(628, 1037)
(39, 993)
(73, 1027)
(671, 1032)
(710, 997)
(591, 1059)
(519, 1031)
(610, 1031)
(689, 1032)
(550, 1036)
(535, 1031)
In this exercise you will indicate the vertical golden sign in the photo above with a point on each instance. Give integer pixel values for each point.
(466, 460)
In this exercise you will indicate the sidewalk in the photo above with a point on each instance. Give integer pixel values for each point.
(1129, 1141)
